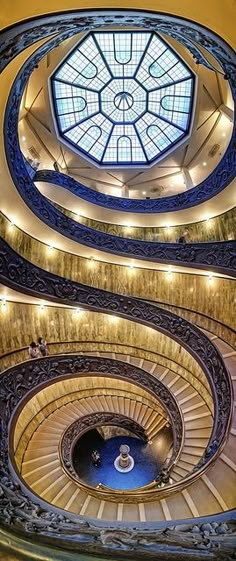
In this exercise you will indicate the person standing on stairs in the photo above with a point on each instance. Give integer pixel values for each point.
(33, 350)
(42, 347)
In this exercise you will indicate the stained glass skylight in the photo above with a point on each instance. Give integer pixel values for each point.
(123, 98)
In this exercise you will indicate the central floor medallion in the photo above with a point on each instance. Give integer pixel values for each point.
(124, 462)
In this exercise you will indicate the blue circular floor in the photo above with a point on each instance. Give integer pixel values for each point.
(145, 468)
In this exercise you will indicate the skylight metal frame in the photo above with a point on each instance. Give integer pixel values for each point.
(101, 154)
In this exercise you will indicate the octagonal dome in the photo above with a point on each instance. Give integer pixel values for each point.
(123, 98)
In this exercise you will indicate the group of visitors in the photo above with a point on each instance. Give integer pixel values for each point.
(39, 349)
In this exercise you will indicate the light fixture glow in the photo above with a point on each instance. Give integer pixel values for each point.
(91, 262)
(3, 305)
(209, 222)
(204, 164)
(210, 278)
(113, 318)
(131, 266)
(11, 226)
(77, 311)
(144, 192)
(169, 272)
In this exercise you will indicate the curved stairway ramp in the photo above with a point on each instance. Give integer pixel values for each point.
(213, 492)
(146, 412)
(47, 479)
(41, 467)
(195, 411)
(65, 489)
(196, 414)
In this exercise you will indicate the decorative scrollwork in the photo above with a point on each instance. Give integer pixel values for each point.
(213, 535)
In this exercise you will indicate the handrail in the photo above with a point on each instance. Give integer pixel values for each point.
(19, 274)
(106, 201)
(30, 425)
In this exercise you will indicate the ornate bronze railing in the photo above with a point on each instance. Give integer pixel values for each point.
(78, 428)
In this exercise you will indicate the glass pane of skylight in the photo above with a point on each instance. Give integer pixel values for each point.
(123, 97)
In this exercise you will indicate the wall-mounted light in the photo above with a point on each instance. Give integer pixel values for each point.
(77, 311)
(113, 318)
(91, 262)
(208, 222)
(3, 305)
(11, 226)
(144, 192)
(23, 138)
(204, 164)
(210, 278)
(169, 273)
(131, 266)
(41, 307)
(50, 249)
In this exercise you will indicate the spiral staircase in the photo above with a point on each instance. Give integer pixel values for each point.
(140, 329)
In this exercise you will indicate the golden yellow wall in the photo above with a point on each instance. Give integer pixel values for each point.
(219, 228)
